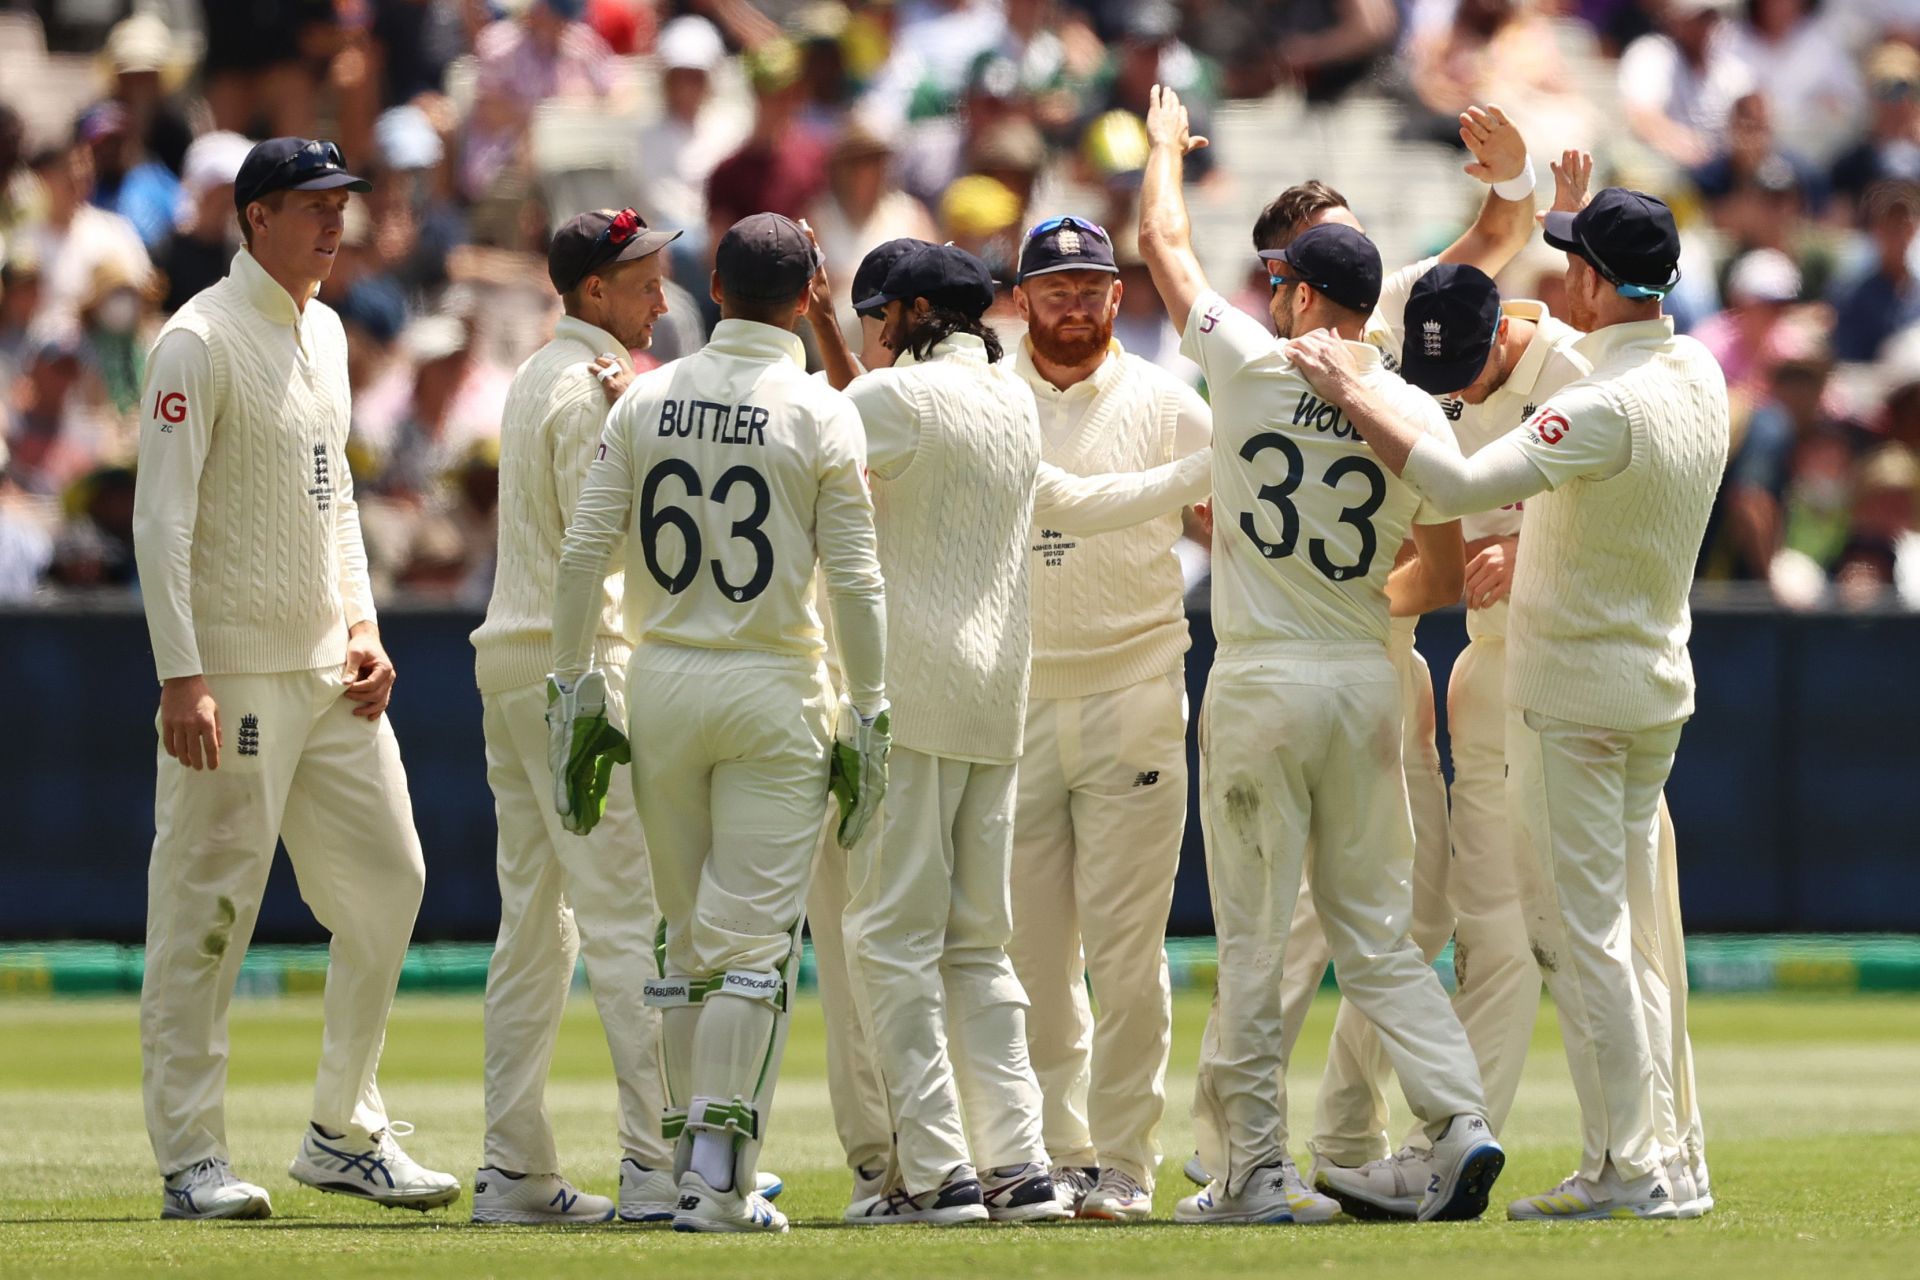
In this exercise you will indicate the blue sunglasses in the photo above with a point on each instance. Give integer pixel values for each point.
(1068, 220)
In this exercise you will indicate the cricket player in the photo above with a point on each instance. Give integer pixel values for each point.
(1618, 472)
(732, 476)
(1302, 725)
(559, 894)
(954, 447)
(1102, 791)
(853, 1075)
(273, 685)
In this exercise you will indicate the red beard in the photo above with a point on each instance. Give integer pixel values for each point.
(1071, 351)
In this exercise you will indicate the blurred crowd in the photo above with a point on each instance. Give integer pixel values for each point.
(1785, 132)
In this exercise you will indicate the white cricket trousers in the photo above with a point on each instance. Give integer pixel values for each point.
(296, 765)
(730, 778)
(560, 895)
(928, 923)
(1585, 811)
(1102, 805)
(1351, 1113)
(853, 1076)
(1301, 772)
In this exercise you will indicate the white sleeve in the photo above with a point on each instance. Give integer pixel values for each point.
(1580, 434)
(1452, 486)
(850, 558)
(1087, 505)
(888, 418)
(176, 430)
(1222, 339)
(1193, 429)
(599, 524)
(356, 588)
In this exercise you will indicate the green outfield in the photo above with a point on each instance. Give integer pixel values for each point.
(1813, 1114)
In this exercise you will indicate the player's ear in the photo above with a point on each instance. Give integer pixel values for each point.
(713, 288)
(1119, 291)
(1020, 302)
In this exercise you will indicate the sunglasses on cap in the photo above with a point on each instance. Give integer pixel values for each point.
(310, 161)
(1068, 220)
(1638, 292)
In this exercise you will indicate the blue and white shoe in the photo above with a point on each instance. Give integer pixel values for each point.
(1072, 1183)
(209, 1190)
(1022, 1193)
(701, 1208)
(1274, 1194)
(651, 1195)
(1387, 1189)
(534, 1199)
(1466, 1163)
(1196, 1172)
(378, 1170)
(955, 1202)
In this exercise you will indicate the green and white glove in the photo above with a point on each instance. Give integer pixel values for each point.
(857, 768)
(582, 747)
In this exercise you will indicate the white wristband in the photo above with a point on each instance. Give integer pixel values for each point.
(1518, 187)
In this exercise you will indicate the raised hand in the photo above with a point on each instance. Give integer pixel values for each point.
(1167, 124)
(1499, 152)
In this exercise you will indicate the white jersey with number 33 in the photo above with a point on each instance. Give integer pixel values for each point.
(1306, 520)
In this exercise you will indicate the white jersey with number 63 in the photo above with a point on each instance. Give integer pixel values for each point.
(1306, 520)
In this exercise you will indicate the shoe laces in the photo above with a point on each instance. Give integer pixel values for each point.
(386, 1141)
(1121, 1183)
(211, 1171)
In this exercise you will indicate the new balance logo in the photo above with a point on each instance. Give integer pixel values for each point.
(249, 735)
(1147, 778)
(565, 1201)
(1453, 408)
(689, 1203)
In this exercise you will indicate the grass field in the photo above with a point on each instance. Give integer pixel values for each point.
(1813, 1115)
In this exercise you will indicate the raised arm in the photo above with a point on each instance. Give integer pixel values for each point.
(1501, 161)
(1166, 234)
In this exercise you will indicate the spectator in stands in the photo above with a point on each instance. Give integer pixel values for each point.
(415, 223)
(1881, 561)
(1885, 297)
(19, 194)
(1891, 149)
(544, 52)
(50, 431)
(983, 216)
(75, 237)
(935, 47)
(206, 235)
(826, 90)
(145, 62)
(862, 209)
(1495, 51)
(1054, 54)
(19, 301)
(1327, 47)
(26, 548)
(1748, 337)
(1751, 522)
(1812, 82)
(455, 402)
(126, 180)
(1752, 149)
(262, 63)
(115, 328)
(935, 151)
(94, 547)
(780, 168)
(1678, 85)
(679, 150)
(1149, 53)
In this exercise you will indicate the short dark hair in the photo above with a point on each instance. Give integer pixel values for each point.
(1280, 221)
(273, 200)
(928, 329)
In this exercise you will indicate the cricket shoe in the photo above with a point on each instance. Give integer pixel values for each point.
(954, 1202)
(376, 1170)
(1072, 1182)
(1195, 1171)
(651, 1195)
(1466, 1163)
(1579, 1199)
(1022, 1193)
(533, 1199)
(1274, 1194)
(1117, 1198)
(867, 1188)
(1689, 1201)
(209, 1190)
(701, 1208)
(1388, 1189)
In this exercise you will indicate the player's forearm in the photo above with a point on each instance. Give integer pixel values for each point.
(1088, 505)
(850, 567)
(1433, 577)
(1496, 236)
(1166, 233)
(836, 356)
(163, 553)
(860, 632)
(356, 587)
(577, 598)
(1497, 476)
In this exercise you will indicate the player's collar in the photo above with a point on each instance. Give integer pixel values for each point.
(1599, 345)
(263, 291)
(966, 346)
(1527, 371)
(593, 337)
(749, 339)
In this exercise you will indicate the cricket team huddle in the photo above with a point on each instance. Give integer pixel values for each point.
(892, 653)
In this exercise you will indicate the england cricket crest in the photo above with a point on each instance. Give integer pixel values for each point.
(1430, 339)
(1068, 241)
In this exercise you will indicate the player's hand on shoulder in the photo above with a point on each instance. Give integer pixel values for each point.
(614, 377)
(1324, 361)
(1499, 151)
(1490, 572)
(190, 722)
(1167, 124)
(369, 672)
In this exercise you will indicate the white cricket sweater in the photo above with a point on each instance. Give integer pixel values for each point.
(1598, 629)
(245, 529)
(1108, 610)
(554, 415)
(953, 448)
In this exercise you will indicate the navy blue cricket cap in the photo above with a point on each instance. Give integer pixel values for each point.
(1066, 244)
(292, 164)
(593, 241)
(872, 273)
(1627, 236)
(765, 257)
(1452, 315)
(943, 274)
(1335, 259)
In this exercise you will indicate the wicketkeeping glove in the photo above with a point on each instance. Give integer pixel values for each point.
(857, 768)
(582, 747)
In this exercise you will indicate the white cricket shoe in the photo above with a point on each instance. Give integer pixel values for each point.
(534, 1199)
(1702, 1186)
(377, 1170)
(701, 1208)
(1388, 1188)
(1117, 1198)
(1466, 1163)
(651, 1195)
(867, 1188)
(1072, 1182)
(1274, 1194)
(1578, 1200)
(955, 1202)
(1022, 1193)
(209, 1190)
(1689, 1201)
(1195, 1171)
